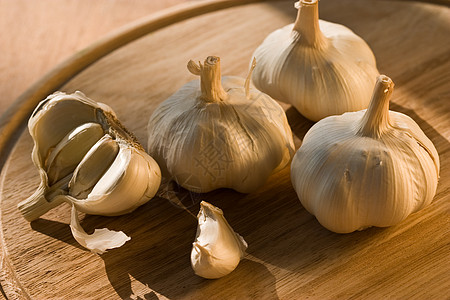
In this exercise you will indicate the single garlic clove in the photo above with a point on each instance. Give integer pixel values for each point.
(368, 168)
(92, 167)
(217, 249)
(319, 67)
(234, 135)
(133, 175)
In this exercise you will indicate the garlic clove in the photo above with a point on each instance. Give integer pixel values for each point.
(132, 175)
(63, 159)
(368, 168)
(234, 135)
(319, 67)
(217, 249)
(92, 167)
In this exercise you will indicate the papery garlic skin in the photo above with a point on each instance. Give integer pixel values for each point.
(216, 133)
(87, 158)
(367, 168)
(319, 67)
(99, 241)
(217, 249)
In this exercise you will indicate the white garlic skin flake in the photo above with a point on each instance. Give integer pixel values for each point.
(217, 249)
(219, 132)
(368, 168)
(319, 67)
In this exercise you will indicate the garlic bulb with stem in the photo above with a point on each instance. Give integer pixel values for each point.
(368, 168)
(217, 249)
(86, 158)
(219, 132)
(319, 67)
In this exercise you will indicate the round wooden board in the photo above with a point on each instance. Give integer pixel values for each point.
(290, 256)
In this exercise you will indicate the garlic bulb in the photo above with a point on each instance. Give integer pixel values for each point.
(217, 249)
(87, 158)
(219, 132)
(368, 168)
(321, 68)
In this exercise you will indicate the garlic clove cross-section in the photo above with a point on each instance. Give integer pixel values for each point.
(219, 132)
(217, 249)
(319, 67)
(86, 158)
(368, 168)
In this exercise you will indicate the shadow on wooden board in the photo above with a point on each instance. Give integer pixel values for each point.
(159, 257)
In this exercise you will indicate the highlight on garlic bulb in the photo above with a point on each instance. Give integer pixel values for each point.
(219, 132)
(319, 67)
(87, 158)
(217, 249)
(368, 168)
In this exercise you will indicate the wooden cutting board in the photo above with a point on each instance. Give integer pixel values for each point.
(290, 255)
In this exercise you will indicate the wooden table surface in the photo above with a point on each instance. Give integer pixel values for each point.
(38, 35)
(290, 255)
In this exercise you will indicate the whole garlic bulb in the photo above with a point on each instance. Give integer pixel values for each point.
(87, 158)
(218, 132)
(368, 168)
(321, 68)
(217, 249)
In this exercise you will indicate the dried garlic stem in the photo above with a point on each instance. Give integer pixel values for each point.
(376, 119)
(307, 24)
(249, 78)
(210, 79)
(37, 204)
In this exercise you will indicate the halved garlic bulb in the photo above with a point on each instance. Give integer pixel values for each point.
(217, 249)
(319, 67)
(87, 158)
(368, 168)
(219, 132)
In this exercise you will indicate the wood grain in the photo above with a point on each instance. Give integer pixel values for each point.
(290, 255)
(37, 35)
